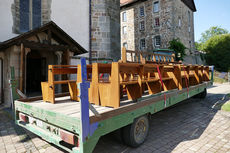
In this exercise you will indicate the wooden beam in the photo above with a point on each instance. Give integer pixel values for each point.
(49, 36)
(22, 68)
(48, 47)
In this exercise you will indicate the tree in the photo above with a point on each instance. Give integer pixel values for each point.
(198, 46)
(178, 47)
(218, 52)
(212, 31)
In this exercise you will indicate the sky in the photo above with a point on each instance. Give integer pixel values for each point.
(211, 13)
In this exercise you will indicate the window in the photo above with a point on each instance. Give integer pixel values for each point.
(142, 44)
(30, 15)
(124, 30)
(157, 41)
(179, 22)
(156, 7)
(142, 11)
(125, 45)
(37, 11)
(124, 17)
(142, 25)
(156, 22)
(189, 21)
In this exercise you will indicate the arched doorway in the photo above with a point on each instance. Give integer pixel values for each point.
(34, 73)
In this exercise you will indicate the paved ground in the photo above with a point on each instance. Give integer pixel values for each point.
(192, 126)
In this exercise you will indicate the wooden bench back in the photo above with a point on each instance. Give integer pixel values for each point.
(145, 57)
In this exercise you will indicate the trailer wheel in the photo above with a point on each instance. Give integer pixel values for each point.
(135, 134)
(203, 94)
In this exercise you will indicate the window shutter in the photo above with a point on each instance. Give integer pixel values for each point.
(36, 13)
(24, 16)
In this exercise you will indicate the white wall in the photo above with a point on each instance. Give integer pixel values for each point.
(6, 21)
(71, 15)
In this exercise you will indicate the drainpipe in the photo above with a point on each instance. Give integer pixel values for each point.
(90, 30)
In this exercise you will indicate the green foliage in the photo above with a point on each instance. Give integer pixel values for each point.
(213, 31)
(226, 106)
(198, 46)
(178, 47)
(218, 52)
(205, 36)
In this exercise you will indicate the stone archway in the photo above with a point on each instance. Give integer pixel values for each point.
(34, 73)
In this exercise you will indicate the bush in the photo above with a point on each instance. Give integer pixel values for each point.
(218, 52)
(178, 47)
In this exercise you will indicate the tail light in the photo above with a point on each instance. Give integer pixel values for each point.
(69, 138)
(23, 118)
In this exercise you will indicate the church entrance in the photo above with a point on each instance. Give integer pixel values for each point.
(35, 74)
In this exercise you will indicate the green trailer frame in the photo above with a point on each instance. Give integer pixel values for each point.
(90, 129)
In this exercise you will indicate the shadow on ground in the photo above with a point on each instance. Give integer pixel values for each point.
(183, 122)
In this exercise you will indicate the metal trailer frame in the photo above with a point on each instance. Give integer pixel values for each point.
(89, 129)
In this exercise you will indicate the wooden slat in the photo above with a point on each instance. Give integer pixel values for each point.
(64, 81)
(64, 71)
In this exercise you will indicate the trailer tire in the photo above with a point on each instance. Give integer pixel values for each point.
(203, 94)
(135, 134)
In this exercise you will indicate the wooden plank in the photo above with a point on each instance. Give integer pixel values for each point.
(64, 70)
(115, 87)
(124, 55)
(22, 67)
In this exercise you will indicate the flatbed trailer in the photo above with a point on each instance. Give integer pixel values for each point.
(73, 127)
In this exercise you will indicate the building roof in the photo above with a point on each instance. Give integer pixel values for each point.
(189, 3)
(57, 33)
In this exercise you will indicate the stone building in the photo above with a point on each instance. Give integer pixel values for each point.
(150, 24)
(97, 30)
(102, 36)
(106, 29)
(30, 54)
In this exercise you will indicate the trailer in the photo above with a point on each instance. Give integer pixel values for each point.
(106, 106)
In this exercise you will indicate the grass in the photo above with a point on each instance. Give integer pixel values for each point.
(219, 80)
(226, 106)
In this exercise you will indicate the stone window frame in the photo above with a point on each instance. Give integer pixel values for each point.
(141, 43)
(140, 14)
(142, 26)
(155, 45)
(153, 9)
(124, 32)
(124, 16)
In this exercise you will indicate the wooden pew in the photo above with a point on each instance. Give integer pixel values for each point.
(48, 88)
(193, 75)
(129, 56)
(206, 74)
(133, 77)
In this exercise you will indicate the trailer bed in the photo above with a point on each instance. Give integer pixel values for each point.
(66, 115)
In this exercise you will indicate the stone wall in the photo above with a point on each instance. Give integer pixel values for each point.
(106, 29)
(170, 12)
